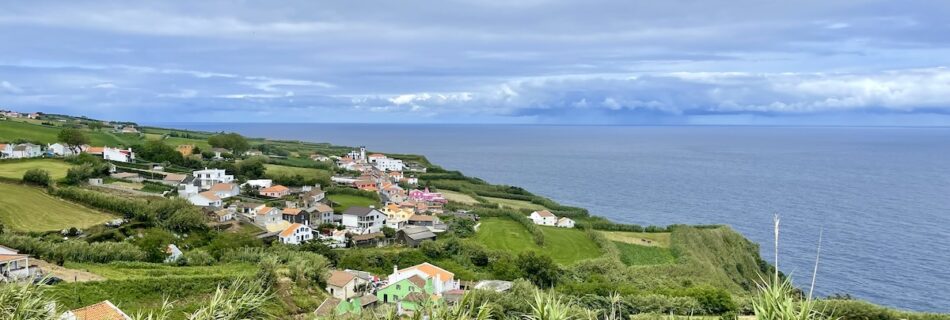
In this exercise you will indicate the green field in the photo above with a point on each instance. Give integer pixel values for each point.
(345, 201)
(515, 204)
(175, 142)
(458, 197)
(565, 246)
(16, 169)
(635, 255)
(25, 208)
(13, 130)
(275, 170)
(657, 239)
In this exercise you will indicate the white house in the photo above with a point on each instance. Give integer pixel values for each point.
(116, 154)
(336, 239)
(543, 217)
(296, 234)
(363, 220)
(443, 280)
(205, 199)
(224, 215)
(260, 183)
(388, 164)
(13, 266)
(565, 222)
(59, 149)
(225, 190)
(26, 150)
(267, 215)
(173, 253)
(209, 177)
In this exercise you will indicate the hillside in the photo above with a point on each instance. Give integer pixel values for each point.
(25, 208)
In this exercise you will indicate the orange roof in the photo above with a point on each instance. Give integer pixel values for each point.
(432, 271)
(368, 188)
(377, 155)
(210, 196)
(421, 217)
(340, 278)
(276, 188)
(101, 311)
(546, 214)
(222, 187)
(95, 149)
(290, 230)
(291, 211)
(11, 257)
(264, 210)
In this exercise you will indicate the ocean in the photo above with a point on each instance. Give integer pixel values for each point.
(881, 196)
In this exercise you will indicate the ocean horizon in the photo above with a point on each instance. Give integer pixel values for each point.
(880, 195)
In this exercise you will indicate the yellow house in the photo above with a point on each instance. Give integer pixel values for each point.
(396, 215)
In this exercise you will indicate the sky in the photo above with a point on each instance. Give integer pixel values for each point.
(829, 62)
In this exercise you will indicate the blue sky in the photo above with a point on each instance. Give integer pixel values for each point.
(492, 61)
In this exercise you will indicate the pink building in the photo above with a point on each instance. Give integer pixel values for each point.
(425, 195)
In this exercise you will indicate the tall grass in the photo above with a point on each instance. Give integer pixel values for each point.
(25, 302)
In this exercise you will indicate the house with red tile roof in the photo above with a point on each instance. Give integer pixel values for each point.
(276, 191)
(101, 311)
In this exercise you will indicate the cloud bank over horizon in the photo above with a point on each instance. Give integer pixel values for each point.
(533, 61)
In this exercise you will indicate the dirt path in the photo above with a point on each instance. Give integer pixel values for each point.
(68, 275)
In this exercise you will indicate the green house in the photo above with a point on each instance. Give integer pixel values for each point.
(410, 293)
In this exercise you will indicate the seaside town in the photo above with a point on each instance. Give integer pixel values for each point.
(409, 215)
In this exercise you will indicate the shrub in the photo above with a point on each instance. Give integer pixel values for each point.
(38, 177)
(74, 250)
(197, 257)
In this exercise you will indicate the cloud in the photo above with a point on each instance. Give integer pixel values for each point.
(9, 87)
(459, 59)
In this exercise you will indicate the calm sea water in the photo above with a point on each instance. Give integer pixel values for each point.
(881, 195)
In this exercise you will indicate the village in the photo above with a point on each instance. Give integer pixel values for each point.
(408, 215)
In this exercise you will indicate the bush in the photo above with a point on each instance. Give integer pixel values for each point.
(196, 257)
(73, 250)
(38, 177)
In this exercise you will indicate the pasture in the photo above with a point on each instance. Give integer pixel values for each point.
(24, 208)
(565, 246)
(16, 169)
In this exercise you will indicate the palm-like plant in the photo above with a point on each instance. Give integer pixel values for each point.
(25, 302)
(777, 298)
(242, 300)
(550, 306)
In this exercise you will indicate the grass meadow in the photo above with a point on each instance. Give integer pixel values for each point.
(24, 208)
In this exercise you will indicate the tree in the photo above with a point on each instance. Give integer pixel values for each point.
(38, 177)
(249, 169)
(157, 151)
(72, 138)
(539, 269)
(233, 141)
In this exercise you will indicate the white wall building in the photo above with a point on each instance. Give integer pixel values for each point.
(59, 149)
(387, 164)
(260, 183)
(363, 220)
(543, 217)
(205, 199)
(296, 234)
(565, 222)
(25, 150)
(116, 154)
(209, 177)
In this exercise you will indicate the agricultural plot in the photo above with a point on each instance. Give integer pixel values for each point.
(515, 204)
(655, 239)
(275, 170)
(458, 197)
(24, 208)
(16, 169)
(565, 246)
(637, 255)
